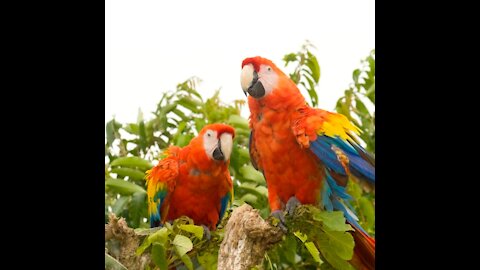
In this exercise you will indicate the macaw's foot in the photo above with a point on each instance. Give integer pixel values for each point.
(206, 233)
(292, 204)
(280, 216)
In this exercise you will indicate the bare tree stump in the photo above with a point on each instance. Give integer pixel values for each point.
(247, 238)
(122, 242)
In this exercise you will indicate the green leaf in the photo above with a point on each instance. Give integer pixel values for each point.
(368, 211)
(119, 205)
(137, 205)
(355, 75)
(131, 173)
(112, 263)
(238, 122)
(182, 244)
(183, 140)
(291, 57)
(361, 107)
(334, 221)
(339, 243)
(132, 162)
(131, 128)
(160, 236)
(354, 189)
(250, 173)
(167, 108)
(301, 236)
(123, 187)
(312, 63)
(162, 122)
(249, 198)
(180, 114)
(196, 230)
(143, 136)
(189, 103)
(371, 63)
(208, 260)
(140, 115)
(249, 187)
(371, 93)
(289, 249)
(199, 123)
(111, 129)
(146, 231)
(187, 261)
(159, 256)
(335, 261)
(311, 92)
(313, 251)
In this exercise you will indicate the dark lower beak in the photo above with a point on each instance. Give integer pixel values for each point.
(217, 153)
(256, 89)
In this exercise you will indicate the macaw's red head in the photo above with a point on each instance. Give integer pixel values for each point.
(260, 77)
(217, 141)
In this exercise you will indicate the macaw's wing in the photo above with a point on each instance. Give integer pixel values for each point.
(161, 182)
(254, 155)
(332, 141)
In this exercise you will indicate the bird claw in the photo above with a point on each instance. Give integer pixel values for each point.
(206, 233)
(280, 216)
(292, 204)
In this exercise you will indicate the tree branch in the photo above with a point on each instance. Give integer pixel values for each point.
(247, 238)
(122, 242)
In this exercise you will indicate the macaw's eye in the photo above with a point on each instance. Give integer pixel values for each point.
(209, 134)
(269, 68)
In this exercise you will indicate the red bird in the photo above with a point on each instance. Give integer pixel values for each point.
(305, 154)
(194, 180)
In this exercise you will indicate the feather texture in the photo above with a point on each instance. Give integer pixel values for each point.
(189, 182)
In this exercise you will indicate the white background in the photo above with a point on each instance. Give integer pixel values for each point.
(151, 46)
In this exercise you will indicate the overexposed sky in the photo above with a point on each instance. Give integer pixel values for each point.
(151, 46)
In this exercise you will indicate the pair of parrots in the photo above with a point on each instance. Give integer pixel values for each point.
(305, 154)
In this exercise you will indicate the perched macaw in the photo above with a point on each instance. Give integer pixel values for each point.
(194, 180)
(305, 154)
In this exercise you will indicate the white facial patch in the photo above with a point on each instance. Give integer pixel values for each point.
(226, 142)
(268, 77)
(246, 77)
(210, 142)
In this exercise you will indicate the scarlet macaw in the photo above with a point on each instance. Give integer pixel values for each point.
(194, 180)
(305, 154)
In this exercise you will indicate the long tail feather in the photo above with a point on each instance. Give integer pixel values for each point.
(364, 250)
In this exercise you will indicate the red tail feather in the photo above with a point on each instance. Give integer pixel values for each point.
(364, 251)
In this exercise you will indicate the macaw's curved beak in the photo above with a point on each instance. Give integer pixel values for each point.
(250, 83)
(217, 153)
(256, 89)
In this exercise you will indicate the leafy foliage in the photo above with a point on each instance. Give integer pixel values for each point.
(358, 97)
(307, 72)
(318, 239)
(180, 243)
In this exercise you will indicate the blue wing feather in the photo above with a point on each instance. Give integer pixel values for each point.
(334, 195)
(223, 205)
(324, 152)
(359, 166)
(156, 217)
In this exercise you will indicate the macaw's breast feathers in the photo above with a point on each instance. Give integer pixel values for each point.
(161, 181)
